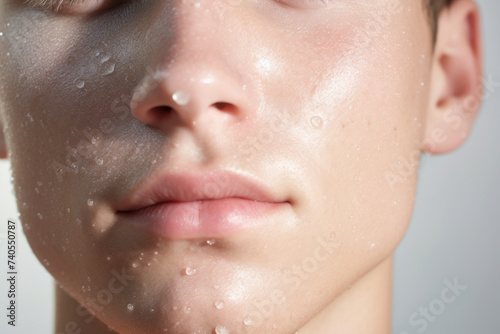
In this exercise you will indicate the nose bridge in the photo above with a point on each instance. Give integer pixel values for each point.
(192, 69)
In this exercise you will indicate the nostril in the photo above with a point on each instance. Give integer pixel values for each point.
(159, 112)
(226, 107)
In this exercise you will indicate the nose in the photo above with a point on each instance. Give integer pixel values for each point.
(191, 79)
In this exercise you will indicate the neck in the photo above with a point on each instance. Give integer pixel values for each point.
(365, 308)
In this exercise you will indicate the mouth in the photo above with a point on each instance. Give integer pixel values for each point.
(206, 204)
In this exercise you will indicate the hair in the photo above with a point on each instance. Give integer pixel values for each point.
(434, 8)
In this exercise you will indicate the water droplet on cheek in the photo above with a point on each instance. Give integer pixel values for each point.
(40, 216)
(317, 122)
(80, 83)
(219, 304)
(107, 68)
(189, 271)
(90, 202)
(247, 321)
(130, 307)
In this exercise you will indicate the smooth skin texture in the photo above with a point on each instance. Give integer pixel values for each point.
(327, 105)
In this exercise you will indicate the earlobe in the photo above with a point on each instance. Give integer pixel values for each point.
(456, 78)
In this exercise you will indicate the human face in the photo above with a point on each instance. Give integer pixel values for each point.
(313, 103)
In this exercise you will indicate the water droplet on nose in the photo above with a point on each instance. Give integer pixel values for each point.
(130, 307)
(317, 121)
(80, 83)
(189, 271)
(107, 68)
(219, 304)
(181, 98)
(221, 330)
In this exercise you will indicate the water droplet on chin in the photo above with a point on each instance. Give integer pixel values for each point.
(221, 330)
(181, 98)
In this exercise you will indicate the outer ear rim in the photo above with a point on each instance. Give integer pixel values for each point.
(452, 107)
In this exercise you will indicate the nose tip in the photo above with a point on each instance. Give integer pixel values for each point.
(185, 95)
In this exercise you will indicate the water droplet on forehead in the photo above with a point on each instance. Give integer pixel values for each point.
(181, 98)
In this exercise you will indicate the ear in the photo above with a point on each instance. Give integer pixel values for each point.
(456, 78)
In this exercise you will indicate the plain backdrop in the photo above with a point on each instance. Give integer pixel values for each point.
(453, 237)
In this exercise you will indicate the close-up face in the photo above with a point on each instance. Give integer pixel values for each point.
(183, 165)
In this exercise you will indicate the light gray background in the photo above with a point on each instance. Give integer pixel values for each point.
(454, 233)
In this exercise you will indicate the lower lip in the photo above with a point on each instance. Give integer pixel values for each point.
(201, 219)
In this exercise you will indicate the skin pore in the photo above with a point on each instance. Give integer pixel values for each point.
(322, 103)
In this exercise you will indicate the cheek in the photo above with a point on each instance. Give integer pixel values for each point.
(363, 133)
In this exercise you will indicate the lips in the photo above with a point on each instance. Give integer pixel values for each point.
(208, 204)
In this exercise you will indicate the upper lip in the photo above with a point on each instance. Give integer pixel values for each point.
(196, 186)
